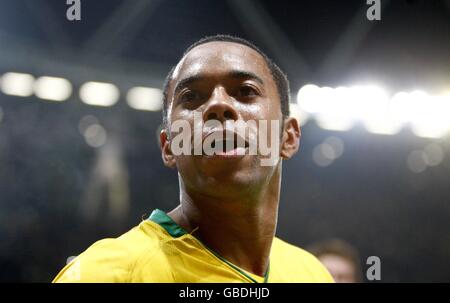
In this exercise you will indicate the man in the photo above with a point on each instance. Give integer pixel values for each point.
(340, 258)
(224, 228)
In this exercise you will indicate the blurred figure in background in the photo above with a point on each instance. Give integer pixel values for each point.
(340, 258)
(107, 193)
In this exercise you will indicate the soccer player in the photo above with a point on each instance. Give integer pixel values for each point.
(224, 227)
(340, 258)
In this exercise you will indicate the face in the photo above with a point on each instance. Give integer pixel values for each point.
(225, 81)
(340, 268)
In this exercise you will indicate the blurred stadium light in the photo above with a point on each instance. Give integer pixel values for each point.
(336, 109)
(340, 108)
(52, 88)
(17, 84)
(99, 94)
(430, 155)
(145, 98)
(301, 115)
(95, 135)
(328, 151)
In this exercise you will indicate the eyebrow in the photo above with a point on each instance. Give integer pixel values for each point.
(235, 74)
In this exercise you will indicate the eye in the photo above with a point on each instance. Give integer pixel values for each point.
(247, 91)
(190, 96)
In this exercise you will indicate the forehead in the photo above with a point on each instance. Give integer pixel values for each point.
(220, 57)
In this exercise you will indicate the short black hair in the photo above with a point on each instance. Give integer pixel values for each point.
(278, 75)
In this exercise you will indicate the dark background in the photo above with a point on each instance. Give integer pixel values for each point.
(367, 197)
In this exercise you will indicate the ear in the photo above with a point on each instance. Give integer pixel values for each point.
(166, 151)
(290, 141)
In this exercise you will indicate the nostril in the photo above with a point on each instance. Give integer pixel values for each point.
(212, 116)
(228, 115)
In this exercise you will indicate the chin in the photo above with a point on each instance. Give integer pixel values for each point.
(224, 178)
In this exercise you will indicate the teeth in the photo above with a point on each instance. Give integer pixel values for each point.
(234, 145)
(240, 143)
(230, 144)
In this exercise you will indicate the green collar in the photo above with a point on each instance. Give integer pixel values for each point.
(160, 217)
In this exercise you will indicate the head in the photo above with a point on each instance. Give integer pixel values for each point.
(279, 77)
(226, 79)
(340, 258)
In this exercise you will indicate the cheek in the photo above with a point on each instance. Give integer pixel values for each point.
(182, 123)
(267, 107)
(262, 110)
(180, 114)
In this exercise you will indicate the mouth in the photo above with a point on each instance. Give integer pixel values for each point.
(228, 145)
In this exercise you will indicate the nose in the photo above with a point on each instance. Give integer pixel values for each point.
(220, 107)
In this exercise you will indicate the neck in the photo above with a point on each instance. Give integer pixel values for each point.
(240, 230)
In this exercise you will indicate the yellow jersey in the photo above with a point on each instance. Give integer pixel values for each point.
(159, 250)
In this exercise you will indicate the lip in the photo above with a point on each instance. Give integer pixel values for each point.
(235, 153)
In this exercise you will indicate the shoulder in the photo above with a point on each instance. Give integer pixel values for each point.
(112, 259)
(297, 263)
